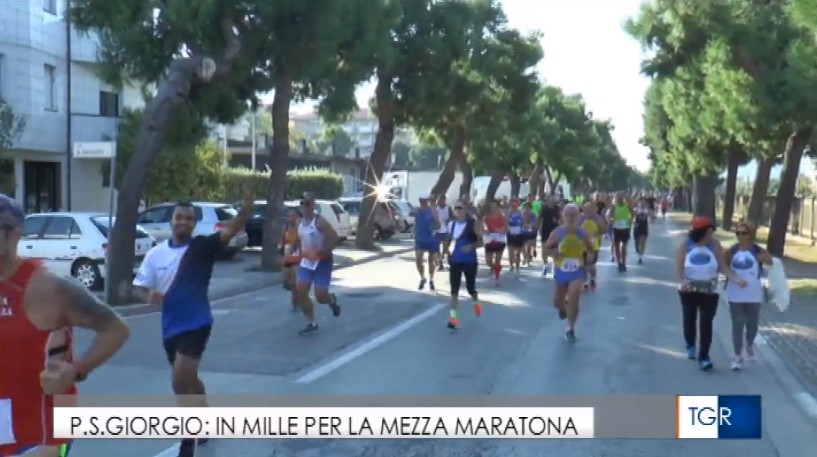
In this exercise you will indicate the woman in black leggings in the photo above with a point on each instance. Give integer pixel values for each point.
(466, 233)
(700, 259)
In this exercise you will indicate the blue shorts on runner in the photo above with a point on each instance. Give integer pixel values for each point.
(431, 245)
(320, 277)
(566, 277)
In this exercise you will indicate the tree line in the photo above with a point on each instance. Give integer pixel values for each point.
(455, 71)
(731, 81)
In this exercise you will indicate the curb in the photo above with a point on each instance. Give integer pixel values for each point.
(267, 283)
(784, 370)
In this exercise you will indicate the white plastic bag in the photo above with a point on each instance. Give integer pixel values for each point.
(778, 292)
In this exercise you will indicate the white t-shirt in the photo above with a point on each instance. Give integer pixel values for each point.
(443, 213)
(700, 264)
(745, 266)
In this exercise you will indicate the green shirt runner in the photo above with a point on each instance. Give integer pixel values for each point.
(537, 207)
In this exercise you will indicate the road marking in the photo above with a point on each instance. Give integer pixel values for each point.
(368, 346)
(808, 403)
(172, 451)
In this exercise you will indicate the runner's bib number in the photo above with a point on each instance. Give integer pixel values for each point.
(515, 230)
(310, 264)
(569, 265)
(492, 238)
(6, 429)
(621, 224)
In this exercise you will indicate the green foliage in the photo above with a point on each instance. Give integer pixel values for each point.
(321, 182)
(335, 140)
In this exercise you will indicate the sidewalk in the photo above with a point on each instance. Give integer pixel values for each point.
(240, 276)
(793, 334)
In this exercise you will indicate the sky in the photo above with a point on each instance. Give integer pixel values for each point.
(586, 51)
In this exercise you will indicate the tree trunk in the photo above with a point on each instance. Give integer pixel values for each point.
(733, 162)
(797, 142)
(556, 186)
(455, 157)
(759, 191)
(384, 100)
(703, 194)
(277, 160)
(467, 179)
(493, 185)
(550, 183)
(516, 184)
(535, 179)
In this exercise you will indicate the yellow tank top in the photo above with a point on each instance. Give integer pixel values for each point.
(592, 229)
(572, 248)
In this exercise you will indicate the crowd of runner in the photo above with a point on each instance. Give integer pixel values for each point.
(38, 309)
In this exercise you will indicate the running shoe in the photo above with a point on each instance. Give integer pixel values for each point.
(706, 365)
(737, 363)
(562, 314)
(422, 284)
(477, 309)
(453, 323)
(750, 354)
(310, 329)
(570, 336)
(640, 260)
(692, 353)
(431, 285)
(335, 306)
(546, 270)
(593, 284)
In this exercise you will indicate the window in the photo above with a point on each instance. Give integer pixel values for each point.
(108, 104)
(33, 227)
(50, 88)
(50, 6)
(62, 228)
(101, 223)
(225, 213)
(352, 207)
(338, 210)
(155, 216)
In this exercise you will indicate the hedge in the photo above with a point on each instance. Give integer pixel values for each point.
(323, 183)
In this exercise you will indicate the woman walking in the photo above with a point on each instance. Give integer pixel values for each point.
(745, 259)
(466, 233)
(700, 259)
(495, 238)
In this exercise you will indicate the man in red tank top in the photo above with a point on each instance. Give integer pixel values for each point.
(37, 313)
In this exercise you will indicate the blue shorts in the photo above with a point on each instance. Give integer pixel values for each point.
(442, 237)
(566, 277)
(431, 245)
(320, 277)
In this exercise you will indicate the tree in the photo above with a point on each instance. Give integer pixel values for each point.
(403, 154)
(11, 128)
(336, 140)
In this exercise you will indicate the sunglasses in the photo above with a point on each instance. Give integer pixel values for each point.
(458, 207)
(741, 233)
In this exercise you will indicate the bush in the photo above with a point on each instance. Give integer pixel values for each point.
(321, 182)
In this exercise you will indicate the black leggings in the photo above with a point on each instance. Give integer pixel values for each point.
(455, 273)
(699, 310)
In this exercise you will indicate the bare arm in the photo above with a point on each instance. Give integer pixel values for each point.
(550, 246)
(236, 224)
(72, 305)
(330, 237)
(679, 262)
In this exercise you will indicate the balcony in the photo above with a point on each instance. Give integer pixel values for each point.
(90, 128)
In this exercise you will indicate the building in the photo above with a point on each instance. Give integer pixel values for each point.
(47, 75)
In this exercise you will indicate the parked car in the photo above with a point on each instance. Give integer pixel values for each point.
(255, 226)
(333, 212)
(405, 214)
(75, 244)
(210, 218)
(385, 217)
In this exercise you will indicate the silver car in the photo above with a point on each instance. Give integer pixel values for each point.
(210, 218)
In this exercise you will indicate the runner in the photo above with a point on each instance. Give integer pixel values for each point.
(495, 238)
(621, 219)
(317, 240)
(529, 233)
(425, 242)
(516, 236)
(641, 228)
(444, 214)
(664, 207)
(292, 257)
(548, 221)
(598, 198)
(700, 258)
(38, 311)
(651, 206)
(745, 259)
(595, 227)
(536, 205)
(467, 236)
(568, 245)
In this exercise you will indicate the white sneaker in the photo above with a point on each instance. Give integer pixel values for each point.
(750, 354)
(737, 363)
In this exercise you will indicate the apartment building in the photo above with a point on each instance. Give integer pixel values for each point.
(48, 76)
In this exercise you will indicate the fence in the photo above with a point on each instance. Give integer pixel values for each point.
(802, 220)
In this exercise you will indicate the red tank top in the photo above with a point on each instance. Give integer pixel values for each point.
(31, 411)
(495, 223)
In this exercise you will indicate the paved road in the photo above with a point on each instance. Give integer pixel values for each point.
(629, 342)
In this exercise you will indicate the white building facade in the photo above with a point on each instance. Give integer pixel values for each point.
(64, 104)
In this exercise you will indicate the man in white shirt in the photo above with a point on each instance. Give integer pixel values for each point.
(444, 215)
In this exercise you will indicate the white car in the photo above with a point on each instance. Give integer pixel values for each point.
(334, 213)
(75, 244)
(405, 211)
(210, 217)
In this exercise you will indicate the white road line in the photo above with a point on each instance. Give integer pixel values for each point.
(172, 451)
(368, 346)
(808, 403)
